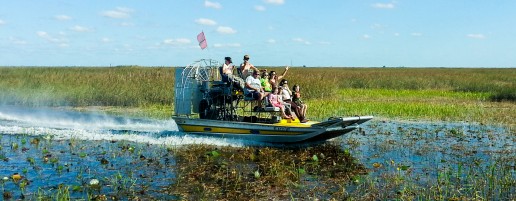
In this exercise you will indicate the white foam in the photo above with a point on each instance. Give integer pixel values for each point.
(78, 120)
(64, 125)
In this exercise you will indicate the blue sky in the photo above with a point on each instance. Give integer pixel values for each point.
(356, 33)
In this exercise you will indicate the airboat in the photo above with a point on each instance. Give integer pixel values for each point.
(207, 105)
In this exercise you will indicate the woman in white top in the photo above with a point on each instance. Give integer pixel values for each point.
(287, 98)
(227, 74)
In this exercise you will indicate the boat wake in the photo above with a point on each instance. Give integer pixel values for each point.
(65, 124)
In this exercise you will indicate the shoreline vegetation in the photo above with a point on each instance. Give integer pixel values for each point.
(484, 95)
(394, 157)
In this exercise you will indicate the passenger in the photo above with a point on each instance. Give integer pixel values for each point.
(287, 98)
(253, 87)
(246, 66)
(274, 79)
(264, 79)
(227, 74)
(275, 102)
(296, 98)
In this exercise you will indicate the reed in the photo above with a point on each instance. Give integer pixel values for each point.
(475, 94)
(119, 86)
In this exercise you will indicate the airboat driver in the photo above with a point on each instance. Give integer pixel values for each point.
(227, 73)
(246, 66)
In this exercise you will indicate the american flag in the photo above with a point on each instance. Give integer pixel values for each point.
(202, 40)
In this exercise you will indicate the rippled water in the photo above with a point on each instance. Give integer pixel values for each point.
(134, 154)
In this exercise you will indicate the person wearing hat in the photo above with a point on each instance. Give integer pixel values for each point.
(253, 87)
(246, 66)
(227, 73)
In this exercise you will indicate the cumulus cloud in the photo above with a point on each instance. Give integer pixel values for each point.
(384, 5)
(2, 22)
(476, 36)
(78, 28)
(105, 40)
(205, 21)
(62, 17)
(218, 45)
(62, 42)
(276, 2)
(226, 30)
(215, 5)
(126, 24)
(16, 41)
(178, 41)
(366, 36)
(259, 8)
(271, 41)
(378, 26)
(300, 40)
(118, 13)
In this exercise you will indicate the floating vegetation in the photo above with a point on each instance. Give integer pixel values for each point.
(209, 172)
(382, 160)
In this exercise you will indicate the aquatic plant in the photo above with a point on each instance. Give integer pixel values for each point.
(429, 93)
(258, 173)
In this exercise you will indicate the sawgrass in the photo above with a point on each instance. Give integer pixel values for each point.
(473, 94)
(118, 86)
(414, 104)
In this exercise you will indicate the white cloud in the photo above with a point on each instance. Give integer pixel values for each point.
(226, 30)
(277, 2)
(205, 21)
(178, 41)
(417, 34)
(210, 4)
(384, 5)
(271, 41)
(2, 22)
(78, 28)
(126, 24)
(300, 40)
(378, 26)
(105, 40)
(17, 41)
(118, 13)
(396, 34)
(62, 42)
(365, 36)
(259, 8)
(476, 36)
(324, 43)
(218, 45)
(62, 17)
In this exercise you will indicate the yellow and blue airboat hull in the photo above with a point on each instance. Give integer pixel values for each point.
(285, 131)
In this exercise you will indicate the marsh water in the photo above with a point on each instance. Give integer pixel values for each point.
(60, 152)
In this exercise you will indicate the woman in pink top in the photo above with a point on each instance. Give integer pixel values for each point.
(274, 101)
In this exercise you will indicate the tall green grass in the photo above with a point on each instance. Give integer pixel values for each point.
(476, 94)
(119, 86)
(321, 82)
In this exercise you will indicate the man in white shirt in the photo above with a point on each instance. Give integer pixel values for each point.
(253, 87)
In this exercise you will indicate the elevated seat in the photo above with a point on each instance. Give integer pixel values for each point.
(271, 109)
(219, 83)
